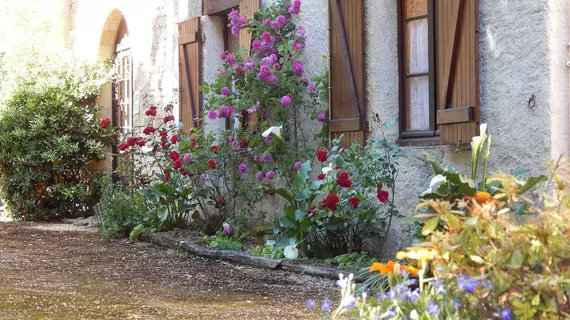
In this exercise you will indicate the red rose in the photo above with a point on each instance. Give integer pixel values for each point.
(166, 175)
(211, 164)
(163, 139)
(214, 149)
(193, 141)
(104, 123)
(114, 136)
(131, 141)
(165, 146)
(168, 119)
(354, 202)
(163, 133)
(322, 176)
(244, 143)
(322, 155)
(151, 112)
(382, 195)
(174, 155)
(123, 146)
(140, 142)
(174, 139)
(177, 164)
(183, 171)
(331, 201)
(149, 130)
(343, 180)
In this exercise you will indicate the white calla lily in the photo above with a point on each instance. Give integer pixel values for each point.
(276, 130)
(435, 183)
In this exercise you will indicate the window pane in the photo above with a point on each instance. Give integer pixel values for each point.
(414, 8)
(417, 46)
(418, 103)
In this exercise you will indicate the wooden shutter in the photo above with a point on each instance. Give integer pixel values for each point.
(247, 9)
(347, 74)
(190, 55)
(457, 42)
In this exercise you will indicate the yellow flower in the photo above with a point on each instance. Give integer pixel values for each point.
(383, 268)
(401, 255)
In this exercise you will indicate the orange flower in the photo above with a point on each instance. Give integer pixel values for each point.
(383, 268)
(411, 270)
(482, 196)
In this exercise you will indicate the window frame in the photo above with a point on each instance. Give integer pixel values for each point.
(419, 137)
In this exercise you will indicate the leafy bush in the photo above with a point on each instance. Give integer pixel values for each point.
(48, 136)
(267, 251)
(119, 213)
(352, 261)
(223, 242)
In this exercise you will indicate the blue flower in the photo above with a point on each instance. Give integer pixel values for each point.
(413, 296)
(433, 308)
(457, 303)
(439, 287)
(326, 306)
(310, 304)
(389, 314)
(467, 283)
(507, 314)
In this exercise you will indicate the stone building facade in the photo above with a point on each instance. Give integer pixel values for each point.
(521, 53)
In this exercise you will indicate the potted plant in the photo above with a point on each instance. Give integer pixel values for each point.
(262, 234)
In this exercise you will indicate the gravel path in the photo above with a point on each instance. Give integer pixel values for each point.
(60, 272)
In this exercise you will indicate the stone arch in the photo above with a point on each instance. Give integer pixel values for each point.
(114, 30)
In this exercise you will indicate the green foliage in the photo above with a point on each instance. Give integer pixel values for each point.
(223, 242)
(48, 136)
(267, 251)
(352, 261)
(121, 213)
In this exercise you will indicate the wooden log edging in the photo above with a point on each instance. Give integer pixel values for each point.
(243, 257)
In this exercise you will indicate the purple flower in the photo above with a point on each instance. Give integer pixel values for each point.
(225, 111)
(304, 79)
(279, 22)
(295, 8)
(439, 287)
(256, 158)
(267, 21)
(298, 165)
(212, 114)
(227, 229)
(301, 32)
(235, 30)
(310, 304)
(266, 36)
(298, 45)
(322, 117)
(326, 306)
(205, 177)
(267, 60)
(264, 70)
(507, 314)
(433, 308)
(272, 79)
(269, 175)
(225, 91)
(277, 66)
(242, 168)
(256, 44)
(254, 108)
(286, 100)
(267, 157)
(233, 15)
(389, 314)
(241, 21)
(297, 67)
(230, 59)
(188, 158)
(311, 88)
(267, 139)
(274, 58)
(467, 283)
(259, 175)
(262, 76)
(413, 296)
(223, 55)
(231, 139)
(457, 303)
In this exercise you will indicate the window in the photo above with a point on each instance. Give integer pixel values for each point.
(439, 71)
(123, 108)
(418, 112)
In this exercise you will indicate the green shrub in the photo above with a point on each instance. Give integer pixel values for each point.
(267, 251)
(120, 213)
(48, 136)
(223, 242)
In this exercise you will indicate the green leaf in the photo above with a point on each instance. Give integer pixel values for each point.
(299, 215)
(316, 185)
(536, 300)
(285, 194)
(472, 221)
(162, 214)
(302, 195)
(135, 233)
(285, 221)
(531, 182)
(453, 221)
(430, 226)
(516, 260)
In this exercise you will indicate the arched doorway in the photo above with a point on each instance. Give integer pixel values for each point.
(116, 98)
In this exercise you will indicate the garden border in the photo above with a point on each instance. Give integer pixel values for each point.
(243, 258)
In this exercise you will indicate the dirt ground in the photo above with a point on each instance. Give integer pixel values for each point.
(66, 272)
